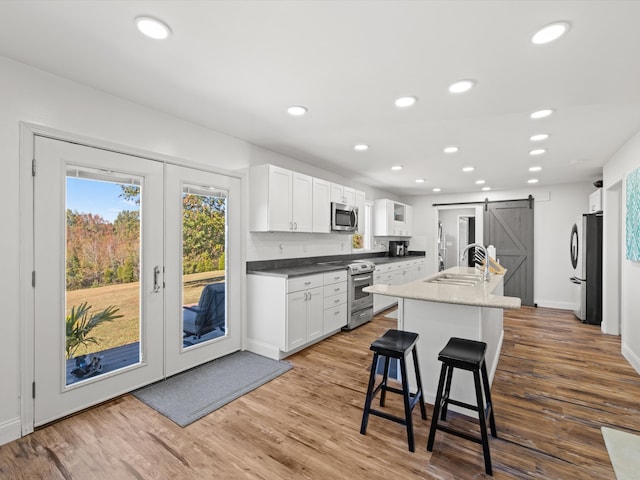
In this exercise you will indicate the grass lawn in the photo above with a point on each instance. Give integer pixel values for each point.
(126, 297)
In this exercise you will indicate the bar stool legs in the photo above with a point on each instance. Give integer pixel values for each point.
(394, 344)
(467, 355)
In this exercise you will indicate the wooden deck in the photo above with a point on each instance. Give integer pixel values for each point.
(112, 359)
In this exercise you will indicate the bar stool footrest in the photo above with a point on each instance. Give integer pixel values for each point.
(468, 406)
(388, 416)
(460, 434)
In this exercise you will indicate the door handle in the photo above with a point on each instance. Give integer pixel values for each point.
(156, 274)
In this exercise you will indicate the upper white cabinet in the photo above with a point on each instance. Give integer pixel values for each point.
(360, 199)
(280, 200)
(342, 194)
(392, 219)
(321, 206)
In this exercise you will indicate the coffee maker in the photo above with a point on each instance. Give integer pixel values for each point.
(398, 248)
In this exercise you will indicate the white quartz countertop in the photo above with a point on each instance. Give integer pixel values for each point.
(479, 295)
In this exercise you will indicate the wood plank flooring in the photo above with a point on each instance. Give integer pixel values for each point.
(558, 381)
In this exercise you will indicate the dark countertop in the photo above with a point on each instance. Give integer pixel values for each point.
(304, 266)
(298, 271)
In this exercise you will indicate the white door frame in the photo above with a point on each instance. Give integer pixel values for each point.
(28, 132)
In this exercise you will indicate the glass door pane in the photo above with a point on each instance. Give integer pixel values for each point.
(102, 273)
(203, 264)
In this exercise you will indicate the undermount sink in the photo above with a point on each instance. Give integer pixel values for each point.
(461, 279)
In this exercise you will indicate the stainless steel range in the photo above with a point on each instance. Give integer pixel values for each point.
(359, 303)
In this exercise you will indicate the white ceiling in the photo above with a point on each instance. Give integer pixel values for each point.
(235, 66)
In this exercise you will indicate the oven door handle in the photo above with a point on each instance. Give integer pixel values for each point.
(366, 279)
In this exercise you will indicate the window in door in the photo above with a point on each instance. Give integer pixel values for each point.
(204, 220)
(102, 273)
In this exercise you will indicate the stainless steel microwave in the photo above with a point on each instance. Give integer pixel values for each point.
(344, 218)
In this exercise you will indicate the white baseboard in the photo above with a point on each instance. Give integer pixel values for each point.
(263, 349)
(10, 431)
(555, 304)
(631, 357)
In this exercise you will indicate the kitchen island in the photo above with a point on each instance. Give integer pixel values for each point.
(453, 303)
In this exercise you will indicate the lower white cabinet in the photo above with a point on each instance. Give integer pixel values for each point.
(287, 314)
(304, 317)
(395, 273)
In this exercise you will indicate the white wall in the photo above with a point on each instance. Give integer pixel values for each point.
(625, 274)
(30, 95)
(556, 208)
(33, 96)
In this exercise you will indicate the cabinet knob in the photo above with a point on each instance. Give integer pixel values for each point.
(307, 283)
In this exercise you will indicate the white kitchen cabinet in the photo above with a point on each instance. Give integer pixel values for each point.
(383, 274)
(286, 314)
(335, 301)
(595, 201)
(280, 200)
(305, 314)
(409, 221)
(321, 206)
(342, 194)
(360, 199)
(392, 219)
(395, 273)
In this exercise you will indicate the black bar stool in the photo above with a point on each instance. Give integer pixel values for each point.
(395, 344)
(467, 355)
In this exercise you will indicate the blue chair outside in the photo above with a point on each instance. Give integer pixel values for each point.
(208, 315)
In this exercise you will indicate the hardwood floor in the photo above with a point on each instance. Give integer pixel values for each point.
(558, 382)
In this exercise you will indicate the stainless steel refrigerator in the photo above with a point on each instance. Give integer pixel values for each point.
(586, 259)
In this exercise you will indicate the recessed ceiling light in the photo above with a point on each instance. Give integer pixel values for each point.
(468, 169)
(461, 86)
(396, 167)
(436, 189)
(542, 113)
(550, 33)
(297, 110)
(451, 149)
(537, 151)
(419, 180)
(404, 102)
(480, 182)
(539, 137)
(153, 28)
(535, 169)
(486, 189)
(361, 147)
(532, 180)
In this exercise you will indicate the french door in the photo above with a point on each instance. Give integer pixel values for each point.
(125, 251)
(202, 293)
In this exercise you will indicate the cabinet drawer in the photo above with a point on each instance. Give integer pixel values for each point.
(387, 278)
(335, 277)
(335, 300)
(387, 267)
(335, 289)
(335, 318)
(296, 284)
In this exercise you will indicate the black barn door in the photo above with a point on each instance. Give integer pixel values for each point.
(509, 227)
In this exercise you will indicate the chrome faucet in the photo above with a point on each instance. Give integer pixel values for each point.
(485, 272)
